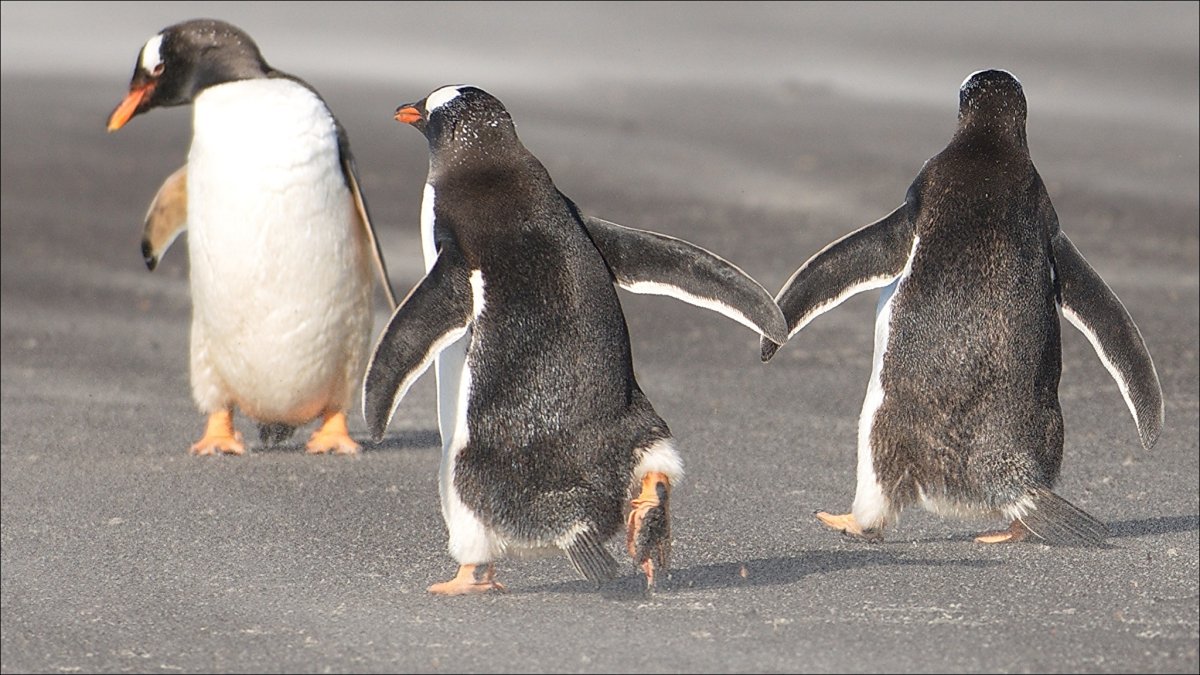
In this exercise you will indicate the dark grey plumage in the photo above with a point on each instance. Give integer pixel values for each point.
(555, 433)
(962, 412)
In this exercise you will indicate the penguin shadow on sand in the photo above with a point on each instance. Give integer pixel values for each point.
(1142, 527)
(1120, 529)
(405, 440)
(288, 441)
(776, 571)
(408, 440)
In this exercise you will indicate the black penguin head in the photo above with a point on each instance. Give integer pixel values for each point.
(461, 120)
(993, 99)
(182, 60)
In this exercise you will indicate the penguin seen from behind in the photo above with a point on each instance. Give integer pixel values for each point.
(961, 413)
(549, 443)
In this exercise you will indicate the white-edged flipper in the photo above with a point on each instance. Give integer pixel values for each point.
(868, 258)
(166, 219)
(436, 312)
(1091, 306)
(655, 264)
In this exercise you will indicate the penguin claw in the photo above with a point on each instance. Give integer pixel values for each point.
(648, 527)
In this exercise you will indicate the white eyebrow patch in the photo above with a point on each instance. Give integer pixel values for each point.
(152, 53)
(440, 98)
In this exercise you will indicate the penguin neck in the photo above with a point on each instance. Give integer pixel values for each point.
(241, 67)
(479, 156)
(992, 132)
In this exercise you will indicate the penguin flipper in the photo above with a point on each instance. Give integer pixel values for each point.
(350, 171)
(1091, 306)
(166, 219)
(870, 257)
(437, 312)
(655, 264)
(1058, 521)
(589, 557)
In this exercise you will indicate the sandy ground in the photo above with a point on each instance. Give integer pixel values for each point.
(759, 131)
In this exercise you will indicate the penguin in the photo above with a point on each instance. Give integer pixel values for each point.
(550, 444)
(281, 246)
(961, 414)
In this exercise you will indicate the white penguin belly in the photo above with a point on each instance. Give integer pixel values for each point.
(280, 275)
(451, 361)
(471, 542)
(870, 506)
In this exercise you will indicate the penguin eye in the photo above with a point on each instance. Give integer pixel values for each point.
(158, 70)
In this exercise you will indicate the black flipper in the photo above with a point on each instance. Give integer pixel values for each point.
(870, 257)
(1091, 306)
(436, 313)
(655, 264)
(591, 559)
(1058, 521)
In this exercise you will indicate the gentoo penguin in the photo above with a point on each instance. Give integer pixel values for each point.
(280, 244)
(961, 412)
(552, 445)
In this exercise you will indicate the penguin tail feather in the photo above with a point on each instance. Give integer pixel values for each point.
(1058, 521)
(589, 557)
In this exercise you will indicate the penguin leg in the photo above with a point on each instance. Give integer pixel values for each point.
(219, 435)
(648, 526)
(465, 583)
(1015, 532)
(333, 436)
(870, 510)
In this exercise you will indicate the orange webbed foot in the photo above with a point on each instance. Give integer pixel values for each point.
(842, 523)
(465, 583)
(1015, 532)
(219, 436)
(847, 524)
(333, 436)
(648, 526)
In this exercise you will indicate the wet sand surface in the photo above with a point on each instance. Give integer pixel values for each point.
(761, 132)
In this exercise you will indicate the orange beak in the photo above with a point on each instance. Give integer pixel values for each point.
(407, 114)
(128, 107)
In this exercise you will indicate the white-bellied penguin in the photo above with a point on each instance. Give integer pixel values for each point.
(961, 413)
(549, 444)
(281, 247)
